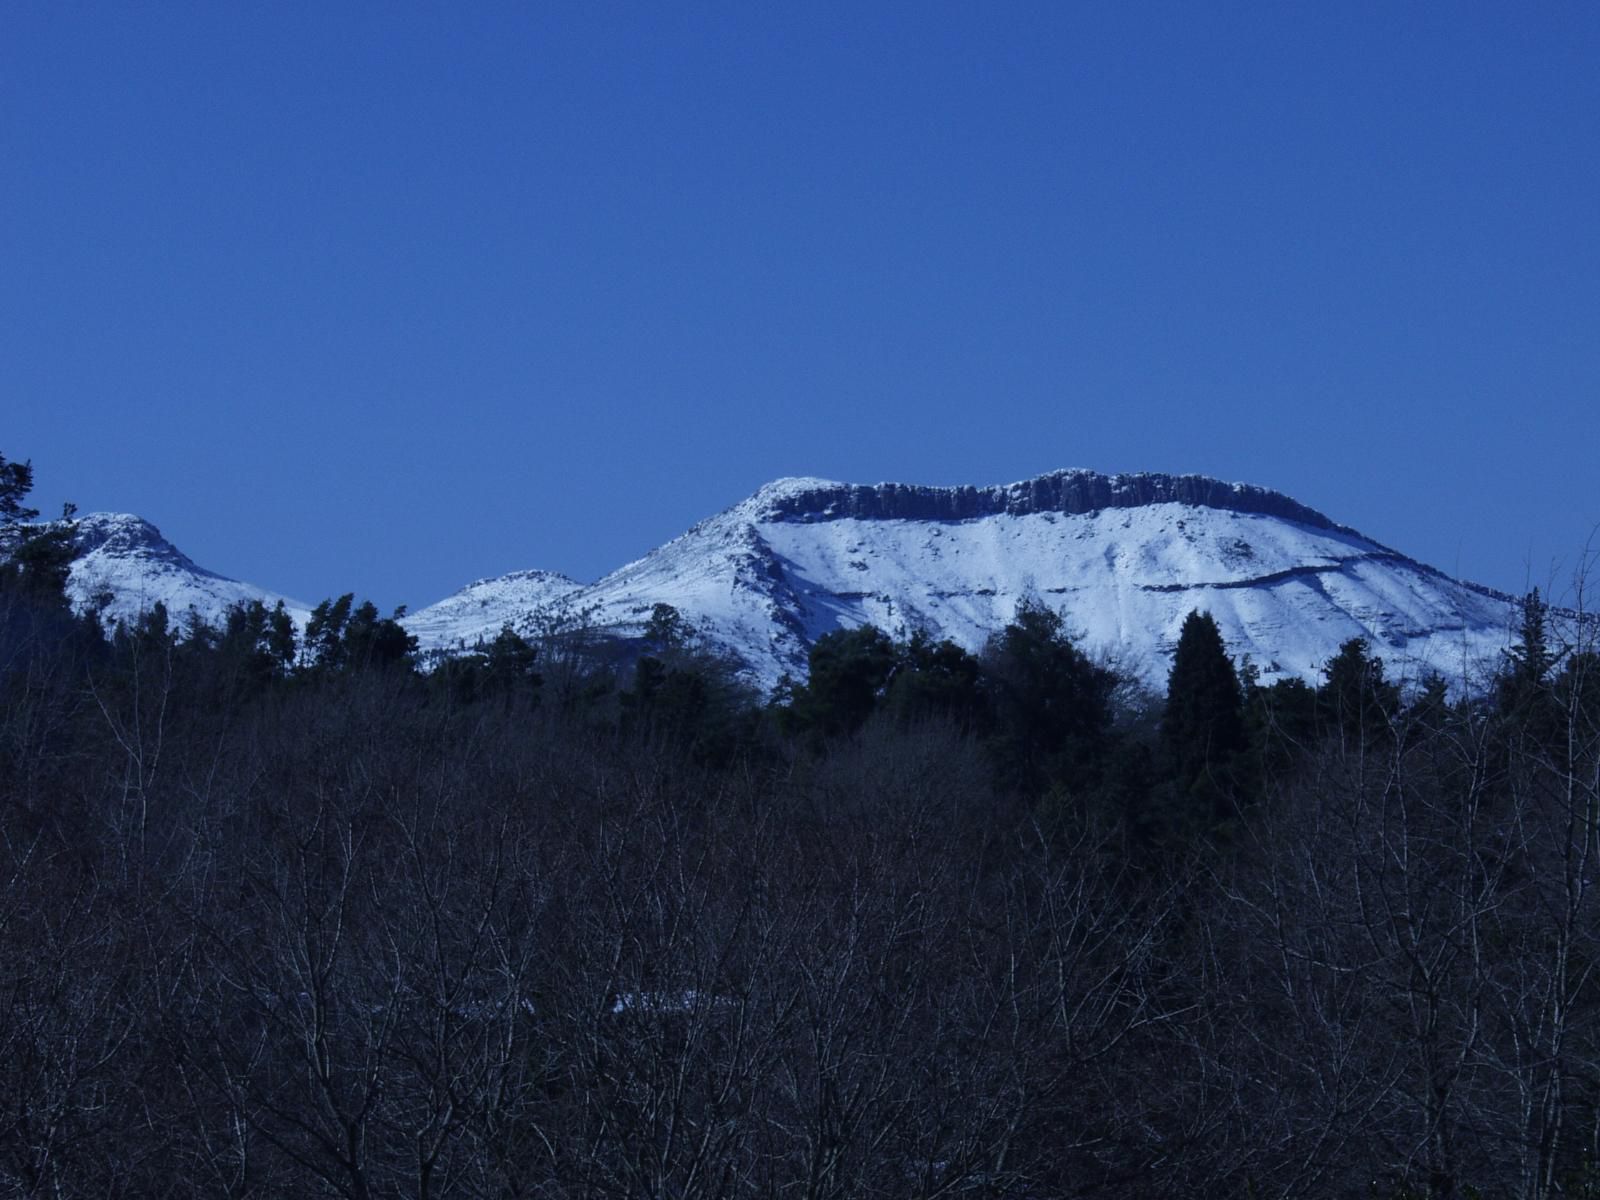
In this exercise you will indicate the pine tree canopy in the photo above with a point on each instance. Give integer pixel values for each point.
(1203, 725)
(16, 481)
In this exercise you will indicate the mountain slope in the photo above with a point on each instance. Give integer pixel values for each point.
(1125, 558)
(125, 567)
(480, 610)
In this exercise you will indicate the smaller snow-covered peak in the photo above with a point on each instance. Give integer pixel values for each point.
(785, 493)
(105, 535)
(481, 609)
(125, 567)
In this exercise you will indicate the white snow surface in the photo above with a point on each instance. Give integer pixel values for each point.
(764, 579)
(479, 611)
(1123, 558)
(125, 567)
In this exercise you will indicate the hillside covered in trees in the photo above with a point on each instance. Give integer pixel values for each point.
(284, 913)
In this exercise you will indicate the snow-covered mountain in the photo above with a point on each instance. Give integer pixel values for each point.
(125, 567)
(480, 610)
(1123, 557)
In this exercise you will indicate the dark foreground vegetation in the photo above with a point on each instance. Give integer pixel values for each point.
(292, 917)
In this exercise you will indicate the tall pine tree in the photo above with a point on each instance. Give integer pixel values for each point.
(36, 558)
(1523, 680)
(1356, 700)
(16, 481)
(1203, 726)
(1051, 705)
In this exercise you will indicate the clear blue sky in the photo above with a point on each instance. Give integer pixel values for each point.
(389, 297)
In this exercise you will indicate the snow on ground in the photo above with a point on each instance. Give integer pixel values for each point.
(764, 584)
(125, 568)
(767, 577)
(480, 610)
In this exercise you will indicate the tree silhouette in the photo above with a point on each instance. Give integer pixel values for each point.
(1202, 727)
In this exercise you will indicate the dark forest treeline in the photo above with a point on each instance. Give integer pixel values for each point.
(290, 916)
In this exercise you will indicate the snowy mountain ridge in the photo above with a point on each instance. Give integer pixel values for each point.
(481, 609)
(1123, 558)
(125, 567)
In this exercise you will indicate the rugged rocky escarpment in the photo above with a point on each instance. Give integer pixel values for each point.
(128, 538)
(1069, 493)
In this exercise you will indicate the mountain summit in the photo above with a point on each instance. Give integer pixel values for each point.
(125, 567)
(1124, 558)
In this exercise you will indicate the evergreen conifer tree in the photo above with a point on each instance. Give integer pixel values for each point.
(937, 679)
(1051, 704)
(1525, 677)
(374, 641)
(324, 640)
(1203, 725)
(510, 663)
(1355, 698)
(35, 558)
(280, 638)
(16, 481)
(849, 670)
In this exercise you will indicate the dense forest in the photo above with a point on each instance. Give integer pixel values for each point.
(291, 913)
